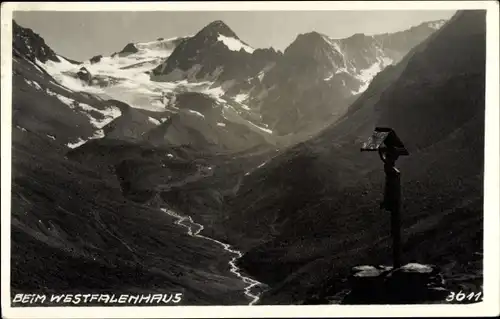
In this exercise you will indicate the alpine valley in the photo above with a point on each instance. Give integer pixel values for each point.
(232, 174)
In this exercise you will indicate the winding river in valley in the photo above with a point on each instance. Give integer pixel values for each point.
(194, 229)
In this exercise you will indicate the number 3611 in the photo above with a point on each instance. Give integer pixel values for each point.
(461, 296)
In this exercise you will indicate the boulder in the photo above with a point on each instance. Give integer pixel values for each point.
(84, 75)
(95, 59)
(130, 48)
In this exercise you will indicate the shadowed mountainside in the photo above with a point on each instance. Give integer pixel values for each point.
(322, 196)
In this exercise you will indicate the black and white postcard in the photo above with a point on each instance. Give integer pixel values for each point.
(250, 159)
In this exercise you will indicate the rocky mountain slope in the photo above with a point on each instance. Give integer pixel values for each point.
(154, 112)
(80, 214)
(74, 226)
(42, 106)
(317, 208)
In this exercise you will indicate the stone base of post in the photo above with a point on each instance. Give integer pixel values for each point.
(409, 284)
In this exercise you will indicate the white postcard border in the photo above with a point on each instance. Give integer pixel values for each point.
(489, 306)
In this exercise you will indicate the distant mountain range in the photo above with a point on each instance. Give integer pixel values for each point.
(215, 92)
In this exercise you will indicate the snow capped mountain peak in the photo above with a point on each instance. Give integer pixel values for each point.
(215, 53)
(217, 27)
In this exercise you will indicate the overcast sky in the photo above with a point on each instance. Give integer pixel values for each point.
(81, 35)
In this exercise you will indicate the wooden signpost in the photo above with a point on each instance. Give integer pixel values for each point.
(389, 147)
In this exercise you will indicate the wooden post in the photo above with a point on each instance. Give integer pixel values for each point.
(389, 147)
(392, 202)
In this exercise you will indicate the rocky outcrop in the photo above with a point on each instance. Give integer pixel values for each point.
(96, 59)
(129, 48)
(28, 44)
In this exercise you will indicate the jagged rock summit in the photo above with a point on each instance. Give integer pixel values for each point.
(215, 53)
(29, 44)
(216, 28)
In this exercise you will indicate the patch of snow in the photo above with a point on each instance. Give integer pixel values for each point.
(196, 113)
(66, 100)
(241, 97)
(216, 93)
(387, 61)
(108, 114)
(51, 137)
(77, 143)
(328, 78)
(34, 84)
(261, 128)
(21, 128)
(336, 47)
(341, 70)
(437, 24)
(414, 267)
(36, 64)
(234, 44)
(131, 85)
(262, 165)
(369, 273)
(170, 155)
(261, 75)
(367, 75)
(154, 121)
(221, 124)
(124, 77)
(97, 135)
(363, 267)
(159, 104)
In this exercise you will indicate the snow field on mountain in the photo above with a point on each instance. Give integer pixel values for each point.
(234, 44)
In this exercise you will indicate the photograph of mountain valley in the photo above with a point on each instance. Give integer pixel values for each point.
(247, 157)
